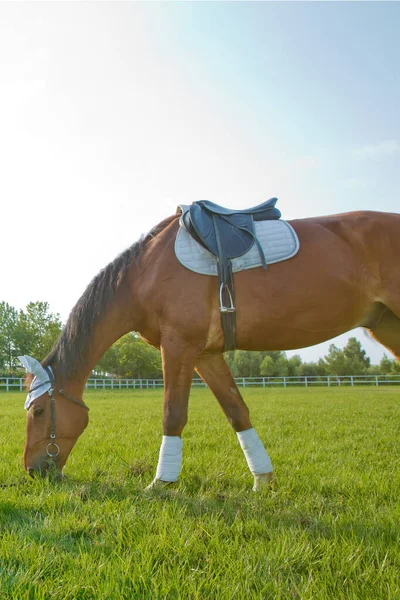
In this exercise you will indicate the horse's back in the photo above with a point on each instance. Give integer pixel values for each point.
(371, 235)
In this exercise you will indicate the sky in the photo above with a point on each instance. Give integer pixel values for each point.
(113, 113)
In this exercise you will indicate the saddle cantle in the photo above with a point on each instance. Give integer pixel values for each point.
(227, 233)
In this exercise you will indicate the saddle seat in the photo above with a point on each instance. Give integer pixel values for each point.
(261, 212)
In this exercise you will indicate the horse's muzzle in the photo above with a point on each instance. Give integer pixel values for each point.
(45, 470)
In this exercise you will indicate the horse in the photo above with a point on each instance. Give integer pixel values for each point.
(345, 275)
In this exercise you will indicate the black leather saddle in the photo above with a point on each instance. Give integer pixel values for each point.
(227, 233)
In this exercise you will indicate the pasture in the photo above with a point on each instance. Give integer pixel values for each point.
(329, 530)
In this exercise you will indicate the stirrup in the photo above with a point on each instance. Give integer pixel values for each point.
(222, 308)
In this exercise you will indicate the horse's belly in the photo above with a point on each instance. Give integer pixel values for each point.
(285, 309)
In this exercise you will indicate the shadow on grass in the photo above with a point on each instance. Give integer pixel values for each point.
(260, 517)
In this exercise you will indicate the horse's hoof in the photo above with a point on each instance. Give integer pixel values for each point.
(158, 484)
(263, 481)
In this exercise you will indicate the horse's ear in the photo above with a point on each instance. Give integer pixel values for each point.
(40, 381)
(31, 365)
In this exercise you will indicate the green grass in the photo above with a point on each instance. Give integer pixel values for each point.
(330, 530)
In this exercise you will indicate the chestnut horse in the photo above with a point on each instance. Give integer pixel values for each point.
(345, 275)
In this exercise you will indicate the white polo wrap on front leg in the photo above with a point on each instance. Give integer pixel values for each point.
(169, 462)
(256, 455)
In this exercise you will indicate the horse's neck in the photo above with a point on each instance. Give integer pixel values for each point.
(129, 310)
(121, 317)
(113, 326)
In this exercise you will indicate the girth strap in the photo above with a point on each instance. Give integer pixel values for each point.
(226, 294)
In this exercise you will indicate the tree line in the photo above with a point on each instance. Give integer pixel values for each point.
(35, 329)
(31, 331)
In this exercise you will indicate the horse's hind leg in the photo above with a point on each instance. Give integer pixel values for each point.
(387, 331)
(215, 373)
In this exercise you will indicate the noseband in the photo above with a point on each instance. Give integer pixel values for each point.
(53, 449)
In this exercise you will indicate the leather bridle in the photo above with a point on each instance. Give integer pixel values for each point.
(52, 448)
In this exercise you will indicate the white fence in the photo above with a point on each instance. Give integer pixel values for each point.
(13, 383)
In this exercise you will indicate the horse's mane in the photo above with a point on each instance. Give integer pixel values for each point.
(75, 339)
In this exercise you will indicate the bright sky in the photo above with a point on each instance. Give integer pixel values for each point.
(113, 113)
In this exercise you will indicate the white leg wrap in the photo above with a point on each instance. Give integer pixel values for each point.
(169, 462)
(257, 457)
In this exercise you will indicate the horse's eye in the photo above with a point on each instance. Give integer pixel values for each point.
(38, 411)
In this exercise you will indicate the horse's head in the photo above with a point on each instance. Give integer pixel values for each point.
(55, 420)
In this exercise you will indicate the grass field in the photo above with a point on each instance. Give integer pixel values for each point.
(330, 530)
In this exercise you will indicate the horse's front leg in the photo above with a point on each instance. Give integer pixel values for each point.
(216, 374)
(178, 366)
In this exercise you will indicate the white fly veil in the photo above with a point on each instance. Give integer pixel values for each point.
(41, 382)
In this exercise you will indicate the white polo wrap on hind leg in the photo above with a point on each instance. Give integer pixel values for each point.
(169, 462)
(256, 455)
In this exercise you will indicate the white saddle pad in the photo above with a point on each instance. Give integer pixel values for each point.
(277, 238)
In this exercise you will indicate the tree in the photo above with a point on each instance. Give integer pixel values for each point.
(388, 365)
(356, 356)
(352, 360)
(294, 365)
(37, 330)
(268, 368)
(274, 364)
(335, 360)
(131, 357)
(8, 325)
(395, 367)
(312, 369)
(385, 365)
(244, 363)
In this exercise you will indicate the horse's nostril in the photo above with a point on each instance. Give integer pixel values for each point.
(31, 471)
